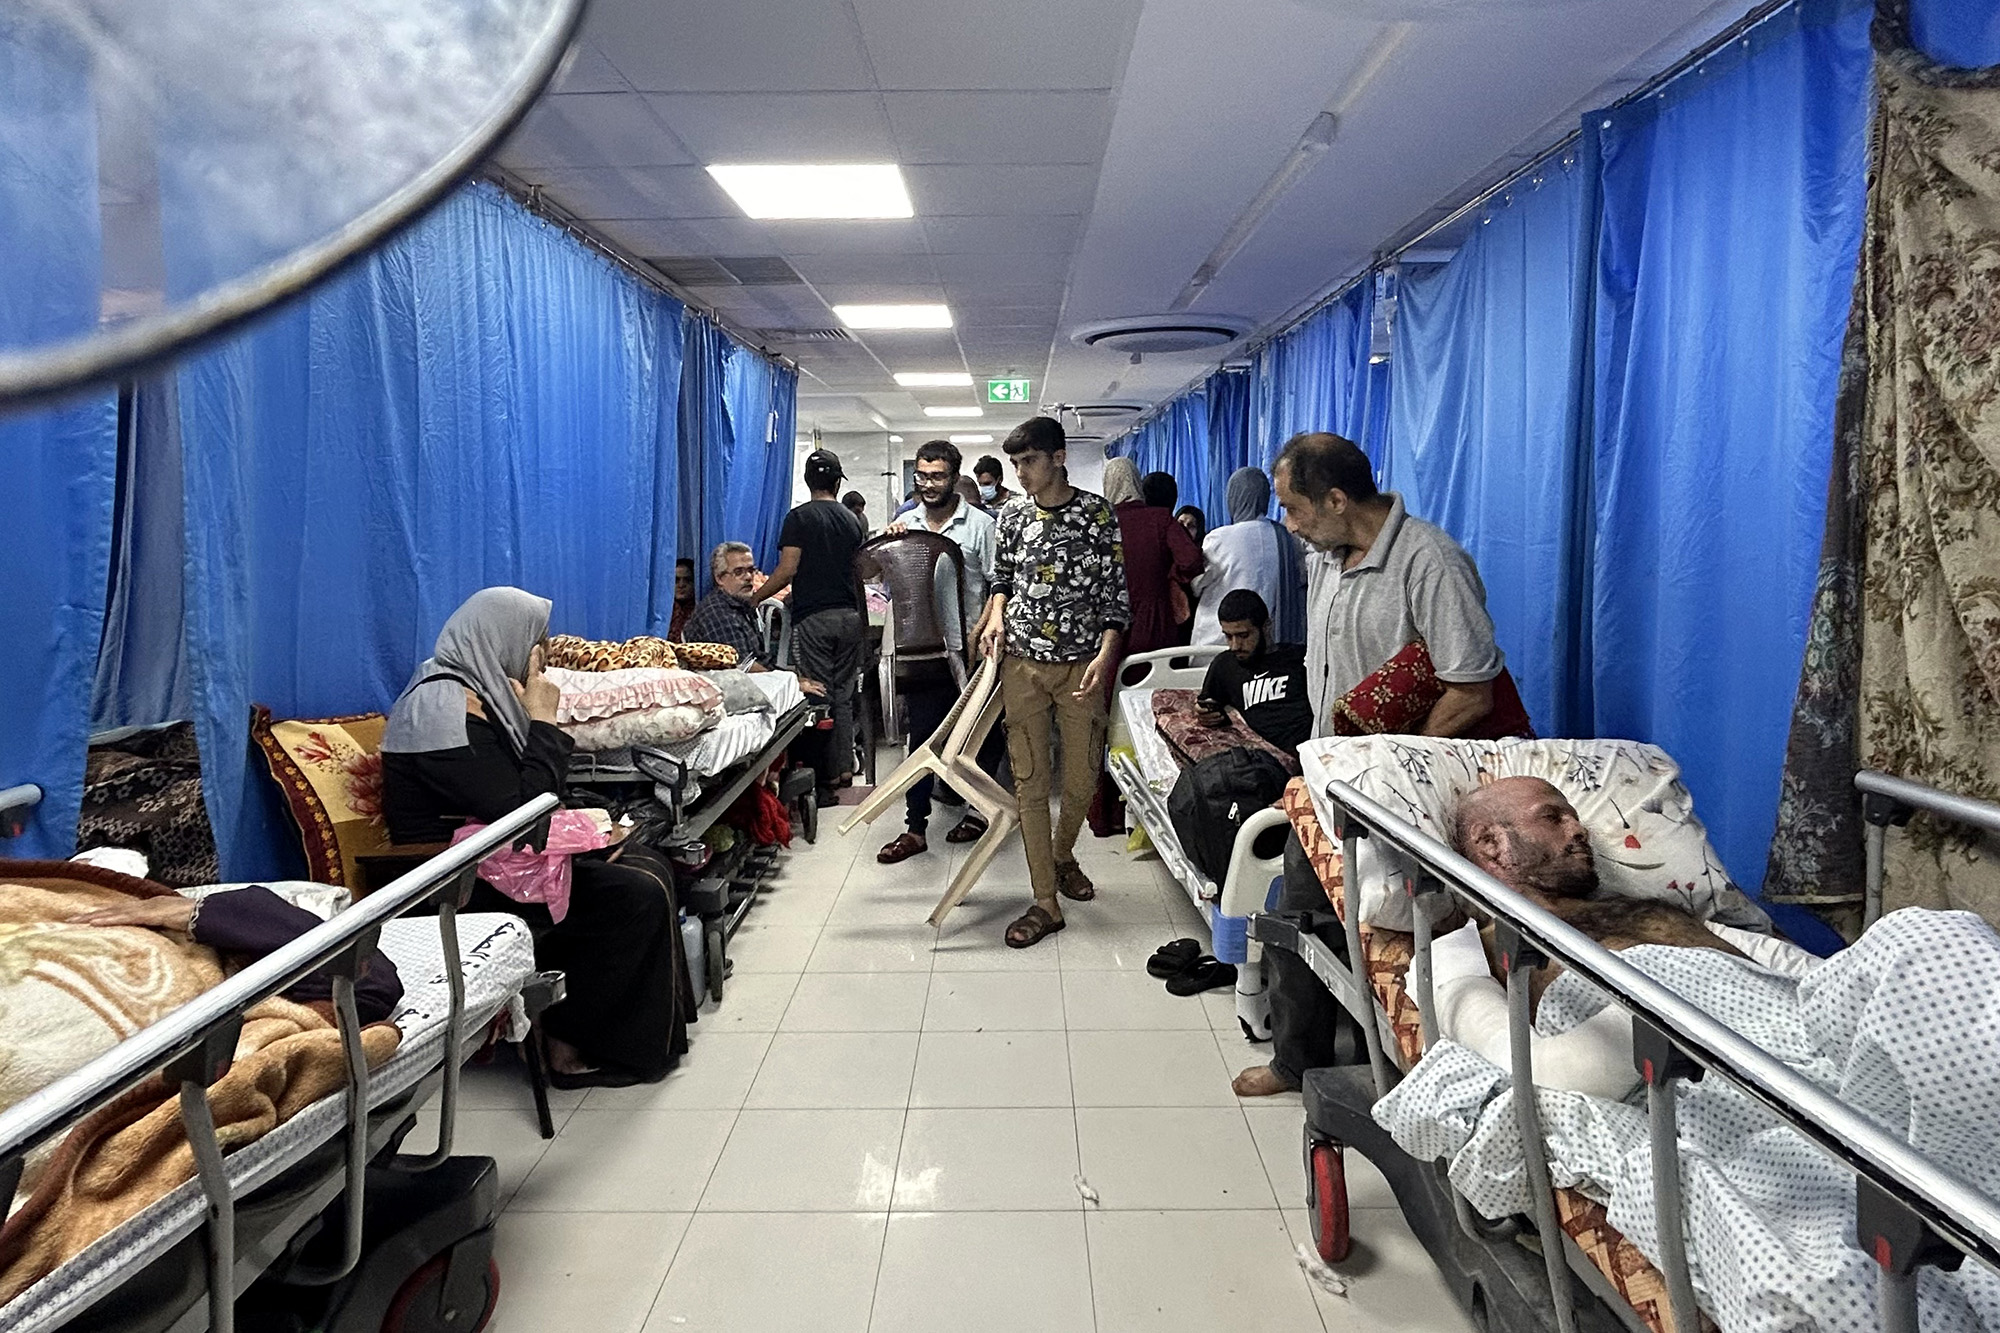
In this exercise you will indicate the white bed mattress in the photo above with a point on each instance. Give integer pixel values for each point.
(781, 686)
(499, 956)
(729, 742)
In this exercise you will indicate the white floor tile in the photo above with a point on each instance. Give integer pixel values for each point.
(1182, 1157)
(758, 946)
(1393, 1287)
(1240, 1053)
(988, 1160)
(503, 1086)
(867, 904)
(1101, 1000)
(772, 1272)
(511, 1138)
(994, 1002)
(857, 1002)
(1196, 1271)
(714, 1075)
(800, 897)
(626, 1162)
(1147, 1069)
(1130, 901)
(923, 875)
(992, 1069)
(597, 1271)
(1094, 944)
(1280, 1135)
(751, 1002)
(835, 1071)
(984, 1273)
(807, 1161)
(974, 936)
(846, 947)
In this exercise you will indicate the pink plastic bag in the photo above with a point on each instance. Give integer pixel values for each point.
(529, 876)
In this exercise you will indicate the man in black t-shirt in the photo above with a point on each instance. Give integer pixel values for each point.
(816, 561)
(1264, 682)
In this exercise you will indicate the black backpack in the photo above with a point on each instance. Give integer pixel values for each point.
(1212, 798)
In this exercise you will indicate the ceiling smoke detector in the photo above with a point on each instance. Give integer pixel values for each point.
(1161, 333)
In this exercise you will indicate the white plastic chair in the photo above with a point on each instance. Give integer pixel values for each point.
(951, 755)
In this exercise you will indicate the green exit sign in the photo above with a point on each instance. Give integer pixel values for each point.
(1007, 391)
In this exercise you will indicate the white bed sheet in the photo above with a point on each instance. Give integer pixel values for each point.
(1156, 760)
(730, 742)
(499, 956)
(781, 686)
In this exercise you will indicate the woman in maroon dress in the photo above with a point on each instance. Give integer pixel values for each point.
(1158, 554)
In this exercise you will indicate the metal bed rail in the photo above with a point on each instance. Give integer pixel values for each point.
(195, 1043)
(1910, 1212)
(15, 803)
(1886, 800)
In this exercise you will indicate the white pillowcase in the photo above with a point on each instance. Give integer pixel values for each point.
(1643, 828)
(646, 726)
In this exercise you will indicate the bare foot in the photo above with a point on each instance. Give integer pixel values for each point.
(1261, 1081)
(566, 1059)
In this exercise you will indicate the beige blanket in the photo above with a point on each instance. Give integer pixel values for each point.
(68, 993)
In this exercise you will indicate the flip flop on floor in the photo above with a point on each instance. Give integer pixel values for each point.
(1205, 973)
(1173, 958)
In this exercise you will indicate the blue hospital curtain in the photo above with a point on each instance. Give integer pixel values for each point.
(480, 401)
(1317, 376)
(758, 484)
(59, 462)
(1732, 209)
(708, 442)
(1487, 364)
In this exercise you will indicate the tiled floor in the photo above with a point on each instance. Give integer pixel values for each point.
(882, 1128)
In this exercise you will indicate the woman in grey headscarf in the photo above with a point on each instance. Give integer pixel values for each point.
(473, 736)
(1252, 551)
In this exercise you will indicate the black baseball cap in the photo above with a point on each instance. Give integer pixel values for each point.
(823, 469)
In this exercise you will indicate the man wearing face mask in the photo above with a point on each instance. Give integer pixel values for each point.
(929, 695)
(992, 494)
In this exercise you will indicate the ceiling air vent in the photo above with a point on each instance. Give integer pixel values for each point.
(1161, 333)
(745, 271)
(1105, 411)
(804, 335)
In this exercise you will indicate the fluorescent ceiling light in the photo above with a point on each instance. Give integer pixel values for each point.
(954, 411)
(895, 439)
(972, 439)
(934, 379)
(774, 191)
(894, 316)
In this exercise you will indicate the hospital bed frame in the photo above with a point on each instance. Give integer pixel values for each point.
(1257, 858)
(194, 1044)
(1910, 1213)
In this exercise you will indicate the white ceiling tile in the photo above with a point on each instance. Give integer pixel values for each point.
(972, 44)
(1022, 234)
(1026, 128)
(922, 349)
(846, 293)
(591, 130)
(987, 191)
(1008, 268)
(635, 192)
(865, 270)
(778, 126)
(872, 236)
(587, 71)
(741, 46)
(688, 236)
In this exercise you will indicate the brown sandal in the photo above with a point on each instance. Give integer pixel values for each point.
(1032, 925)
(1073, 884)
(901, 848)
(969, 829)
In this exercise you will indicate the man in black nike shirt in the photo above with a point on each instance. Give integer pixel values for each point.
(1266, 682)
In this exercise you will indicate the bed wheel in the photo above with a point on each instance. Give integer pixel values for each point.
(416, 1306)
(715, 943)
(1326, 1197)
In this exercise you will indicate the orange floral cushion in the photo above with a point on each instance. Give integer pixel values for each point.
(330, 771)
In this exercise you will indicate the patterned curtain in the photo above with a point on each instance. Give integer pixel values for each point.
(1907, 615)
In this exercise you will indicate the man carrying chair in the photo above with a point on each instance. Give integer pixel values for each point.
(930, 688)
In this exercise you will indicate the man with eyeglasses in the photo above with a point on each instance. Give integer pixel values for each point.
(929, 694)
(726, 615)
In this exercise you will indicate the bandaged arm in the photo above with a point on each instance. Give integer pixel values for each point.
(1593, 1057)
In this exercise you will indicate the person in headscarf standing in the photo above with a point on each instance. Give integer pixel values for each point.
(1252, 551)
(1158, 554)
(470, 738)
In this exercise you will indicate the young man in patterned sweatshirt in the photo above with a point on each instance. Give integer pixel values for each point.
(1057, 613)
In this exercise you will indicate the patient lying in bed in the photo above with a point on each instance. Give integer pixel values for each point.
(1525, 833)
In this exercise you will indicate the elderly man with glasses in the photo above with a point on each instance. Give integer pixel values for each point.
(726, 614)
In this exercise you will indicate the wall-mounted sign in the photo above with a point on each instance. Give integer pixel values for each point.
(1008, 391)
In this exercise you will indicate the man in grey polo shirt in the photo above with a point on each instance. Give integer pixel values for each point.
(1376, 580)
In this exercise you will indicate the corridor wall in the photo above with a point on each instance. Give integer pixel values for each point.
(1618, 395)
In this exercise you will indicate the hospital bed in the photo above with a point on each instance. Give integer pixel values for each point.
(1145, 770)
(1910, 1212)
(182, 1262)
(676, 792)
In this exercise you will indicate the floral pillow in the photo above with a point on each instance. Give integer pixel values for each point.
(330, 771)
